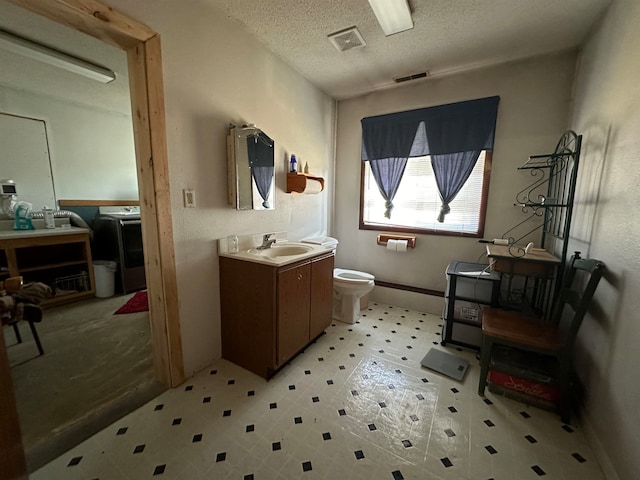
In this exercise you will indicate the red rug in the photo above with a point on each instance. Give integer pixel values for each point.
(138, 303)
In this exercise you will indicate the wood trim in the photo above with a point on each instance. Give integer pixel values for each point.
(488, 160)
(147, 99)
(93, 18)
(13, 464)
(98, 203)
(157, 229)
(409, 288)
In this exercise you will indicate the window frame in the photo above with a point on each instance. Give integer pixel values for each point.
(484, 197)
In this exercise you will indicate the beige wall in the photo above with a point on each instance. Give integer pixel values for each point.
(607, 104)
(214, 74)
(86, 162)
(535, 100)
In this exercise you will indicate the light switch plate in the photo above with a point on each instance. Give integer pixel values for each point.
(189, 197)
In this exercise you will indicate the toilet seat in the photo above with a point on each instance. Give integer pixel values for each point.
(351, 276)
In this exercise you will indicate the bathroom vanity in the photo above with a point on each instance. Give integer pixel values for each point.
(273, 310)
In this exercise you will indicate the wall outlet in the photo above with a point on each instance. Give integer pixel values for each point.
(189, 197)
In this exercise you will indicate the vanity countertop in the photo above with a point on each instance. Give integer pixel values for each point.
(40, 232)
(251, 255)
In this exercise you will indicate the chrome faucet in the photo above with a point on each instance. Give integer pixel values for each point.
(266, 241)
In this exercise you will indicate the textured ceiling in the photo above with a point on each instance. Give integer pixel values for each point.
(448, 36)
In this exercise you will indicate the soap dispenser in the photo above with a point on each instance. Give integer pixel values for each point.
(232, 244)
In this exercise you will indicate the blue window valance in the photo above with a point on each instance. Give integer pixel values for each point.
(453, 135)
(452, 128)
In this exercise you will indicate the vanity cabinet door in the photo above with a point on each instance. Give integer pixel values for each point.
(248, 311)
(321, 295)
(294, 289)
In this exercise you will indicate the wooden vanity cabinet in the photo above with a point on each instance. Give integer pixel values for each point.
(271, 313)
(293, 309)
(320, 316)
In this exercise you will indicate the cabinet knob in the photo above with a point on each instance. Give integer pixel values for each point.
(299, 276)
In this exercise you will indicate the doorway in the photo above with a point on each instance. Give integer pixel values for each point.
(145, 67)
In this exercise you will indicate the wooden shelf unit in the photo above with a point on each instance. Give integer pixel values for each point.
(58, 260)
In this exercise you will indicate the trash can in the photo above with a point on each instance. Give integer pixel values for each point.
(104, 273)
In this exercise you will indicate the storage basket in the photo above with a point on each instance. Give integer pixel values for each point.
(71, 284)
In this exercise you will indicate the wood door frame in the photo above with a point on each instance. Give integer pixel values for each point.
(142, 45)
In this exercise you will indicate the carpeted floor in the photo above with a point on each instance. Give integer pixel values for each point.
(96, 367)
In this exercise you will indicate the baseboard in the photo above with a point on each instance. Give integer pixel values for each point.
(401, 297)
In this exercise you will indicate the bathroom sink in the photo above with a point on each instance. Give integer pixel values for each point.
(278, 254)
(286, 250)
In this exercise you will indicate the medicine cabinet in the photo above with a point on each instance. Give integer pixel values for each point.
(250, 168)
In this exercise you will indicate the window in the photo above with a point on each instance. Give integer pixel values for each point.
(417, 202)
(425, 164)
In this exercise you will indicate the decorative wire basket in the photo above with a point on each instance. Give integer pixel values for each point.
(71, 284)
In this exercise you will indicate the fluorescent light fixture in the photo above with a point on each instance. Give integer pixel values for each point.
(393, 15)
(44, 54)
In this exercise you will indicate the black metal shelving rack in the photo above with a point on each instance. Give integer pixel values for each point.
(469, 286)
(550, 197)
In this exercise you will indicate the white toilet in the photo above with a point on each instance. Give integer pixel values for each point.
(348, 286)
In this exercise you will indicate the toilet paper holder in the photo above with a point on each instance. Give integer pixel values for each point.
(383, 238)
(301, 183)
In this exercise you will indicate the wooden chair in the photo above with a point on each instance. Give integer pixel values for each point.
(15, 307)
(30, 313)
(552, 340)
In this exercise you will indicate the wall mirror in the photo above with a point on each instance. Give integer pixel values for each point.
(250, 165)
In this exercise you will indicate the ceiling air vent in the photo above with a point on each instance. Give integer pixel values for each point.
(415, 76)
(347, 39)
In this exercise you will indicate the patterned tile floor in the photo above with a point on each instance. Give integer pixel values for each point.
(355, 405)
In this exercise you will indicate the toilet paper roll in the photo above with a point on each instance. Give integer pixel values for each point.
(392, 245)
(313, 186)
(401, 245)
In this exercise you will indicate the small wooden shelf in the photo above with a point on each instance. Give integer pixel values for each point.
(383, 238)
(51, 266)
(298, 182)
(538, 263)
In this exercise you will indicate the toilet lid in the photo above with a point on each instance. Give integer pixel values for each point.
(352, 275)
